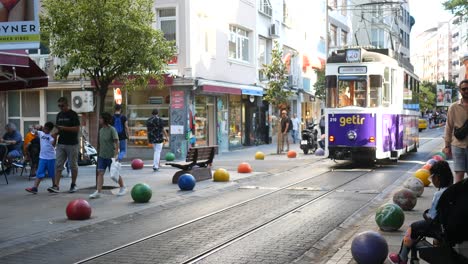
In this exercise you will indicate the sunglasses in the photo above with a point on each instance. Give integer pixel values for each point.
(464, 89)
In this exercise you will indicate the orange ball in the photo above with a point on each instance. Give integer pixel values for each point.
(244, 167)
(426, 167)
(292, 154)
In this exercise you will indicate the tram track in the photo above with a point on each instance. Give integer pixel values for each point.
(241, 234)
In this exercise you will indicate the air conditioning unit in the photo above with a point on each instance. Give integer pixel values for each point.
(274, 30)
(82, 101)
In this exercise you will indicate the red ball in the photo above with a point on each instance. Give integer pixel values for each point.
(78, 209)
(137, 164)
(437, 157)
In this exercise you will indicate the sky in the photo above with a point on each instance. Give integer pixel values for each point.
(427, 14)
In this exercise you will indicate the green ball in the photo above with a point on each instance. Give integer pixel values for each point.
(141, 193)
(170, 156)
(389, 217)
(440, 153)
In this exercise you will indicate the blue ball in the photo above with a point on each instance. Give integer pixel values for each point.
(369, 247)
(186, 182)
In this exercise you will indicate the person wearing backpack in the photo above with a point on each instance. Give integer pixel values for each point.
(119, 122)
(286, 126)
(442, 178)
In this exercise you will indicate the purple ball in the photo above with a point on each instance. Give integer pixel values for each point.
(369, 247)
(431, 161)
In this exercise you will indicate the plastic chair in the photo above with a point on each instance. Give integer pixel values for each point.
(3, 155)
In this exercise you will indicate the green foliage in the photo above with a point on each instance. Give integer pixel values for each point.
(108, 39)
(427, 96)
(458, 7)
(320, 91)
(277, 77)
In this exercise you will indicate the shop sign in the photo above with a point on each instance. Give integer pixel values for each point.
(117, 96)
(177, 100)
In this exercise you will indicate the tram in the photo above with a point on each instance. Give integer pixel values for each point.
(372, 105)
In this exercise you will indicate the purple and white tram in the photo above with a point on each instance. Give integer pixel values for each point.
(372, 105)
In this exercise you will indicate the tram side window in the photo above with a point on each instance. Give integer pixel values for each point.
(375, 93)
(332, 91)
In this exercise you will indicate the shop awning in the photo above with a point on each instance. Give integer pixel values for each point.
(168, 80)
(18, 71)
(229, 88)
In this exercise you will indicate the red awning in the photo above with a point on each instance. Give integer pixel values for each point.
(168, 80)
(221, 89)
(18, 58)
(22, 77)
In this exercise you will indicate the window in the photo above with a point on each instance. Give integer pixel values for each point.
(286, 16)
(265, 7)
(344, 38)
(333, 36)
(377, 36)
(333, 3)
(167, 23)
(238, 44)
(344, 7)
(262, 57)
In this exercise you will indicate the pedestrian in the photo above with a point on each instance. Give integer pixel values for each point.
(108, 148)
(456, 144)
(156, 135)
(46, 156)
(68, 125)
(284, 130)
(295, 128)
(13, 139)
(119, 122)
(442, 178)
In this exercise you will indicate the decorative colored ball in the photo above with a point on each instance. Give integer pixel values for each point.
(186, 182)
(369, 247)
(244, 167)
(437, 158)
(292, 154)
(389, 217)
(320, 152)
(170, 156)
(78, 209)
(431, 161)
(415, 185)
(426, 167)
(259, 155)
(221, 175)
(405, 198)
(423, 175)
(442, 154)
(141, 193)
(137, 164)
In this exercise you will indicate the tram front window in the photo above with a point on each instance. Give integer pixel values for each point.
(352, 93)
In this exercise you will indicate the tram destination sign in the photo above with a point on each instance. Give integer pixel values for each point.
(353, 55)
(352, 70)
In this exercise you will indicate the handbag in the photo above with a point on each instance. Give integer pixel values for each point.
(461, 132)
(115, 168)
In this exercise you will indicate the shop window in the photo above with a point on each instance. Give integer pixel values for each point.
(14, 104)
(333, 35)
(30, 104)
(238, 44)
(235, 121)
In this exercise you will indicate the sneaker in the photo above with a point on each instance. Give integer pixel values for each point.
(155, 169)
(53, 189)
(32, 190)
(95, 195)
(122, 191)
(73, 188)
(395, 258)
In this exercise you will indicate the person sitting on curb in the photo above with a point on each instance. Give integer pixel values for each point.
(442, 178)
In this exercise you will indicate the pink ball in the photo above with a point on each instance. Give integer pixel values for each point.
(437, 157)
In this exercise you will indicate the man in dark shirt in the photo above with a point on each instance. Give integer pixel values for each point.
(68, 125)
(156, 135)
(284, 130)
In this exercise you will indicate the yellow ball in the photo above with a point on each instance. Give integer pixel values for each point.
(259, 155)
(423, 175)
(221, 175)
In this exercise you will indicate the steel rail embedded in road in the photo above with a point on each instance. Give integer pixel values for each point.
(236, 237)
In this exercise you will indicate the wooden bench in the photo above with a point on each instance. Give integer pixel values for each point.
(198, 163)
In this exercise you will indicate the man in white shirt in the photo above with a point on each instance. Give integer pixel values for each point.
(295, 130)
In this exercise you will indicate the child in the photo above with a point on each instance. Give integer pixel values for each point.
(441, 177)
(46, 156)
(108, 148)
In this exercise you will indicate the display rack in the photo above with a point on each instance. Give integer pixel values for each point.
(137, 116)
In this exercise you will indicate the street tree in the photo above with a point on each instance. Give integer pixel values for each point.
(320, 91)
(277, 93)
(109, 40)
(427, 96)
(457, 7)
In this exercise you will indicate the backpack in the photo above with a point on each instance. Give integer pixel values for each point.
(118, 125)
(290, 125)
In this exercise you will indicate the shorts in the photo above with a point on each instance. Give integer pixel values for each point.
(64, 153)
(460, 159)
(103, 163)
(46, 165)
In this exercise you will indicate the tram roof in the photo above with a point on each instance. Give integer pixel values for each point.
(372, 55)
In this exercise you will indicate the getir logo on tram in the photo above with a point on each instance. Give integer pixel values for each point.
(354, 120)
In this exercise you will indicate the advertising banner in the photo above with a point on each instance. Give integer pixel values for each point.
(353, 130)
(443, 96)
(19, 24)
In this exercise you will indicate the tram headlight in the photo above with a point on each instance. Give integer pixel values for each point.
(372, 139)
(352, 135)
(331, 138)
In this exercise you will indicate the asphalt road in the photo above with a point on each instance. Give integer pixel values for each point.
(274, 218)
